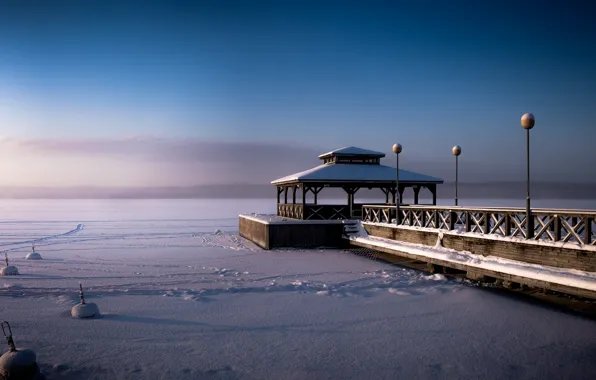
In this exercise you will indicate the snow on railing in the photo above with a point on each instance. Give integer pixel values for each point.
(557, 225)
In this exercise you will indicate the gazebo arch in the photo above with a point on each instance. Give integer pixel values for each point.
(351, 169)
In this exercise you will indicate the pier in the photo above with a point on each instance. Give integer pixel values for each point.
(553, 249)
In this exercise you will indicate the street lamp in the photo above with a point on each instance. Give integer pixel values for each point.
(527, 122)
(397, 151)
(456, 152)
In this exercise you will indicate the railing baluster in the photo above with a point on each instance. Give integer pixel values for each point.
(588, 230)
(552, 225)
(556, 228)
(452, 219)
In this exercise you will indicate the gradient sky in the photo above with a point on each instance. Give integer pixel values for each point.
(151, 93)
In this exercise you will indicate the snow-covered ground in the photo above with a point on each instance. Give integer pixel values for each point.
(183, 297)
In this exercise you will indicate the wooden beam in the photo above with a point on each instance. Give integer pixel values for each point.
(286, 195)
(386, 192)
(401, 194)
(316, 190)
(433, 189)
(416, 193)
(294, 194)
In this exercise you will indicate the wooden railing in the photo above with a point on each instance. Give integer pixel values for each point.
(290, 210)
(313, 212)
(557, 225)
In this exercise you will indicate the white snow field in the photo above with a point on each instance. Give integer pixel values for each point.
(181, 296)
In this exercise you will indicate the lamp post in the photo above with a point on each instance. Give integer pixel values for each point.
(527, 123)
(456, 152)
(397, 151)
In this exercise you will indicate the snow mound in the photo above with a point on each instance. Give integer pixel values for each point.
(33, 256)
(9, 271)
(19, 364)
(398, 292)
(436, 277)
(87, 310)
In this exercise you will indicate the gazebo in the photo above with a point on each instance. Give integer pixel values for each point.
(351, 169)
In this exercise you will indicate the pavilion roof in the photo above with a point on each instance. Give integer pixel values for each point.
(352, 151)
(356, 173)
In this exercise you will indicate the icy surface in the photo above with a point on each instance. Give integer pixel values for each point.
(183, 297)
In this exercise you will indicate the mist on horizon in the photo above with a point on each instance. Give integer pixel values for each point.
(150, 162)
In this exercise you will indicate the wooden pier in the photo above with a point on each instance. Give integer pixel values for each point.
(557, 238)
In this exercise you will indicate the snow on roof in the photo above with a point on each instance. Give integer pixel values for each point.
(352, 151)
(355, 173)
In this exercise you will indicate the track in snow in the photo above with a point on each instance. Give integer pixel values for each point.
(79, 228)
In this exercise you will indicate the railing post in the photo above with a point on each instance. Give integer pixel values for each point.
(530, 225)
(556, 227)
(468, 223)
(423, 219)
(588, 230)
(410, 217)
(487, 223)
(452, 218)
(436, 218)
(507, 218)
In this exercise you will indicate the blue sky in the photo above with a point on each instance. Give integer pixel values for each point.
(318, 75)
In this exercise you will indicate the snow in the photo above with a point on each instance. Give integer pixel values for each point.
(274, 219)
(33, 256)
(9, 271)
(184, 297)
(356, 173)
(352, 151)
(19, 364)
(86, 310)
(568, 277)
(460, 230)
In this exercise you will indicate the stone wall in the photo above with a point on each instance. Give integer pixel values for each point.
(254, 231)
(292, 235)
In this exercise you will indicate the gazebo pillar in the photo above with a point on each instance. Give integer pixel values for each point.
(386, 192)
(416, 193)
(316, 190)
(286, 195)
(294, 188)
(351, 192)
(433, 189)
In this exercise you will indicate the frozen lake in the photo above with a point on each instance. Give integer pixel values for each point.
(183, 297)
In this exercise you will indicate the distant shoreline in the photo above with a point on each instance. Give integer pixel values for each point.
(494, 190)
